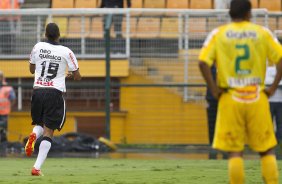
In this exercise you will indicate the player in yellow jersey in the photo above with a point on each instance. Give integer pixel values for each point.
(240, 51)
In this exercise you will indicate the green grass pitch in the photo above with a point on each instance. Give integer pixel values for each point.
(124, 171)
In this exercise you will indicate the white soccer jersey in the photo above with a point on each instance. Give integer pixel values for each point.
(50, 62)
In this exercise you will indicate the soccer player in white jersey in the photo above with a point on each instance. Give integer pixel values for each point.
(48, 63)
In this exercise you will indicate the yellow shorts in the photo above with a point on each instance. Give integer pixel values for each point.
(240, 123)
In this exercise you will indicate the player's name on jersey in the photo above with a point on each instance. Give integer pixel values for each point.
(241, 82)
(241, 35)
(47, 54)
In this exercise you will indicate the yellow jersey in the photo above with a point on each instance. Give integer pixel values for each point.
(240, 51)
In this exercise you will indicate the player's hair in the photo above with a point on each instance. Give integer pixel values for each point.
(52, 32)
(239, 9)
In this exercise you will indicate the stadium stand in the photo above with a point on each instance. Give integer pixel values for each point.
(63, 4)
(154, 4)
(36, 4)
(272, 22)
(279, 24)
(203, 4)
(148, 27)
(133, 27)
(86, 4)
(200, 27)
(271, 5)
(99, 3)
(96, 28)
(169, 28)
(137, 4)
(179, 4)
(75, 29)
(214, 22)
(254, 3)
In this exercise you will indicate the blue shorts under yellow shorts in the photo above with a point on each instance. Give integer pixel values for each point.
(240, 123)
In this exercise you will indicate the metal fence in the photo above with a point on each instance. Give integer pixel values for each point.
(82, 30)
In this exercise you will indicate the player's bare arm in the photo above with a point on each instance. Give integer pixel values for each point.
(32, 68)
(206, 72)
(270, 90)
(75, 75)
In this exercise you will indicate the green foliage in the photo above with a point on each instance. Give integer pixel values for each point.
(124, 171)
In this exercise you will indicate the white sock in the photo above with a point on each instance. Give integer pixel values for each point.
(42, 154)
(38, 130)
